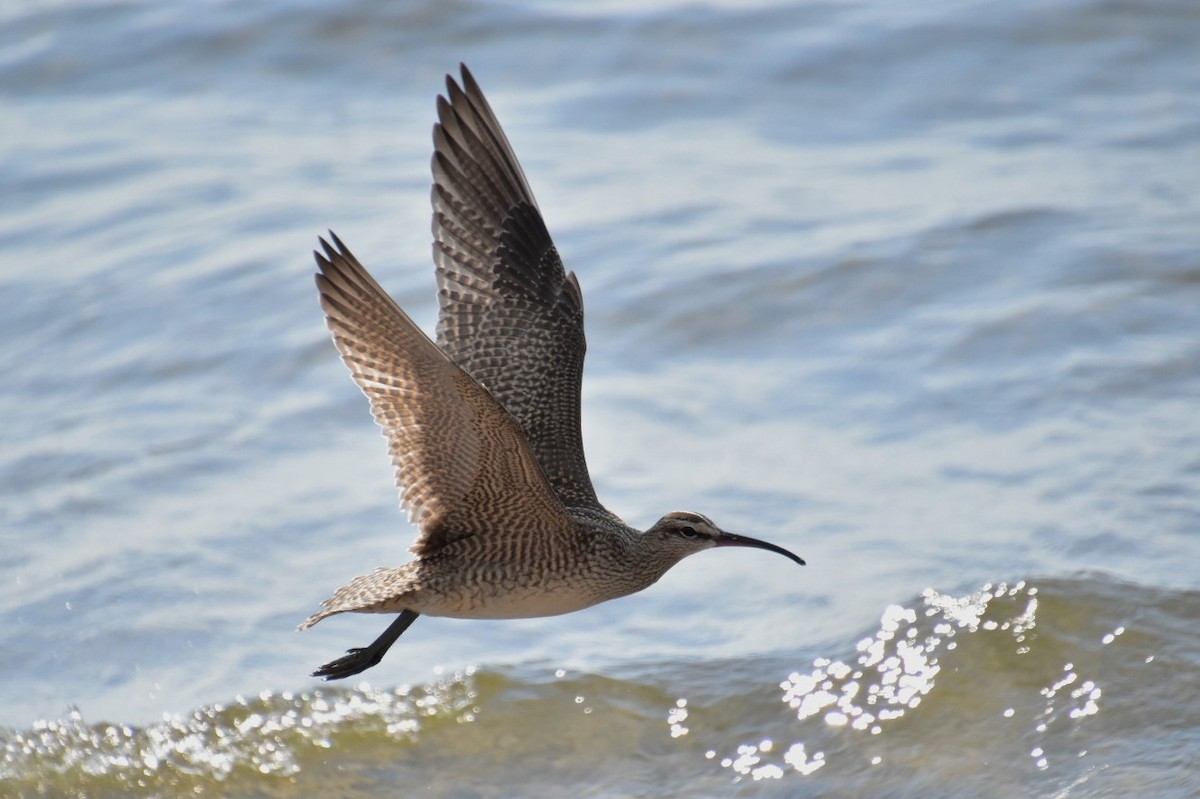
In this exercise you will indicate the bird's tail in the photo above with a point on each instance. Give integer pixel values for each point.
(381, 591)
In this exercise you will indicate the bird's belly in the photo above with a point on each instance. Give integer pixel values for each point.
(513, 606)
(509, 600)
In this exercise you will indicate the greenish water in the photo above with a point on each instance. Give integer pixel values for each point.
(1007, 690)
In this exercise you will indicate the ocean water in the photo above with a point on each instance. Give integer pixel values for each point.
(912, 289)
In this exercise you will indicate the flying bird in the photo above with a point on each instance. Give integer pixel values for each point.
(483, 426)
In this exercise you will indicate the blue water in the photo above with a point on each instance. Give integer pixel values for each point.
(911, 289)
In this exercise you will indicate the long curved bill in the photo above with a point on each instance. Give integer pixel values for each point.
(734, 540)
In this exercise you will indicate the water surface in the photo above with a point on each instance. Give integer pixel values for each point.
(909, 289)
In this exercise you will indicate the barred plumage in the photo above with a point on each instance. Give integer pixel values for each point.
(483, 427)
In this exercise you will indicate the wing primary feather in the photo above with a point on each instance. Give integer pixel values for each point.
(511, 315)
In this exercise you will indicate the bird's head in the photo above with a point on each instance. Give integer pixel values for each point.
(682, 533)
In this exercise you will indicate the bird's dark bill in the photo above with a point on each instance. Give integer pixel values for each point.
(734, 540)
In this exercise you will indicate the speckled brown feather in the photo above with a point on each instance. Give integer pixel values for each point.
(511, 316)
(484, 432)
(462, 464)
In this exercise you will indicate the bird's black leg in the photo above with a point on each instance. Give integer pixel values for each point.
(363, 658)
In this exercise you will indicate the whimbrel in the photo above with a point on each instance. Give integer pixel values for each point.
(483, 427)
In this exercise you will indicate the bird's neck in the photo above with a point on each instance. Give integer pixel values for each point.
(642, 558)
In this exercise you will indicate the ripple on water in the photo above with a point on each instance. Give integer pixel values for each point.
(219, 747)
(999, 689)
(1010, 689)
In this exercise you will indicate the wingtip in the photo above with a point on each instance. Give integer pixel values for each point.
(468, 79)
(325, 246)
(331, 249)
(445, 112)
(333, 237)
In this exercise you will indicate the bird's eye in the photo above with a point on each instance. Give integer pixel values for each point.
(687, 532)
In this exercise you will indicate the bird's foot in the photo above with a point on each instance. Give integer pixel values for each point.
(364, 657)
(353, 662)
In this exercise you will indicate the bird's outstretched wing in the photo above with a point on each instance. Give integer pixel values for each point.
(463, 466)
(511, 316)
